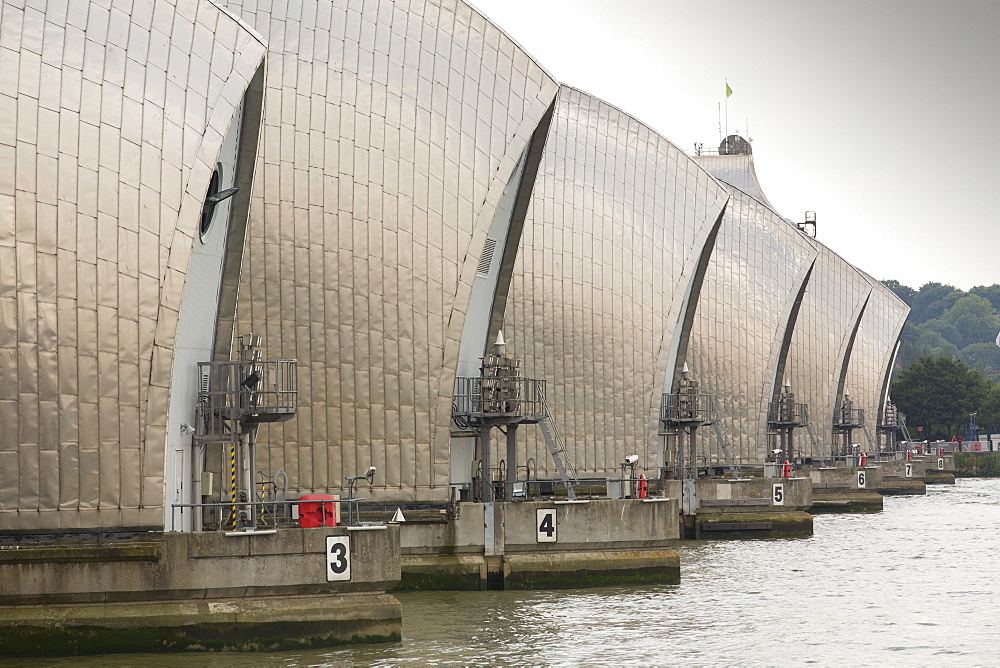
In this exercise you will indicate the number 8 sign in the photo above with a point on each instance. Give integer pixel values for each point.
(338, 558)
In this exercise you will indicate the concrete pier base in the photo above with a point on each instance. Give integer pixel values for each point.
(902, 486)
(903, 476)
(769, 524)
(262, 624)
(940, 469)
(541, 570)
(200, 591)
(846, 489)
(544, 545)
(846, 501)
(750, 508)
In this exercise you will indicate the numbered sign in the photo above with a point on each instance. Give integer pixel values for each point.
(861, 479)
(909, 470)
(778, 494)
(940, 463)
(545, 525)
(338, 558)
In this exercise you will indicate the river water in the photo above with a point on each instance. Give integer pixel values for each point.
(917, 584)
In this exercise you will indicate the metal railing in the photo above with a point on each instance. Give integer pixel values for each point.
(499, 396)
(787, 414)
(680, 408)
(848, 418)
(264, 391)
(891, 418)
(270, 514)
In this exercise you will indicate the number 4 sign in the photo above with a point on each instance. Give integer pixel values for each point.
(338, 558)
(545, 525)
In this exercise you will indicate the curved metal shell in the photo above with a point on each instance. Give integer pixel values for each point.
(390, 133)
(618, 221)
(110, 124)
(872, 355)
(745, 313)
(821, 344)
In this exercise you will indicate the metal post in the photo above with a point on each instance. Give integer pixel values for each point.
(511, 460)
(350, 503)
(484, 457)
(680, 463)
(234, 515)
(692, 453)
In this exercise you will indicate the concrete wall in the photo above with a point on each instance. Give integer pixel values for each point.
(942, 464)
(848, 474)
(589, 525)
(797, 494)
(593, 524)
(196, 566)
(462, 535)
(897, 469)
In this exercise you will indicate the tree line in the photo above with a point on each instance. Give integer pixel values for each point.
(948, 365)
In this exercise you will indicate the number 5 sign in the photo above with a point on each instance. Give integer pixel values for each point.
(338, 558)
(545, 525)
(778, 494)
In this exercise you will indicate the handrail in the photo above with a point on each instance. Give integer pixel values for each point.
(264, 505)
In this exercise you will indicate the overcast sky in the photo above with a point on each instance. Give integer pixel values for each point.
(876, 114)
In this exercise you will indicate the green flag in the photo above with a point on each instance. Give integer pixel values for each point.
(729, 91)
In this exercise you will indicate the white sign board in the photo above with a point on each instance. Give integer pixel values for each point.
(909, 470)
(338, 558)
(778, 494)
(861, 479)
(940, 463)
(545, 525)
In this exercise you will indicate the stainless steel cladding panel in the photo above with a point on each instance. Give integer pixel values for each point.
(617, 222)
(825, 327)
(111, 118)
(390, 132)
(872, 354)
(736, 170)
(754, 276)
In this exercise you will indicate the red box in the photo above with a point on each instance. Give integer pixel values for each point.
(317, 510)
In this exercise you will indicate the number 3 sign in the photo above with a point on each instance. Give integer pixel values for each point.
(338, 558)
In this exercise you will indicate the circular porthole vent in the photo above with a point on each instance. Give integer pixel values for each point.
(212, 199)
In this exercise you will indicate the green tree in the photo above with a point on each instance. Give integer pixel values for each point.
(940, 334)
(990, 292)
(989, 411)
(932, 300)
(939, 393)
(983, 357)
(974, 318)
(904, 292)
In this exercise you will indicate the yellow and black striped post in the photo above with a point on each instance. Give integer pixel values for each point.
(232, 483)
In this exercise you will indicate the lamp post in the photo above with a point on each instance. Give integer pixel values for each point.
(351, 502)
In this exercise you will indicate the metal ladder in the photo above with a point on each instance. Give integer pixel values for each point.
(816, 449)
(564, 465)
(868, 435)
(906, 433)
(726, 450)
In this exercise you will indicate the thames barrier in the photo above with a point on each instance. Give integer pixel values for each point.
(301, 303)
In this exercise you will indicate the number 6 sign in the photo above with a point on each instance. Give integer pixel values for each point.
(338, 558)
